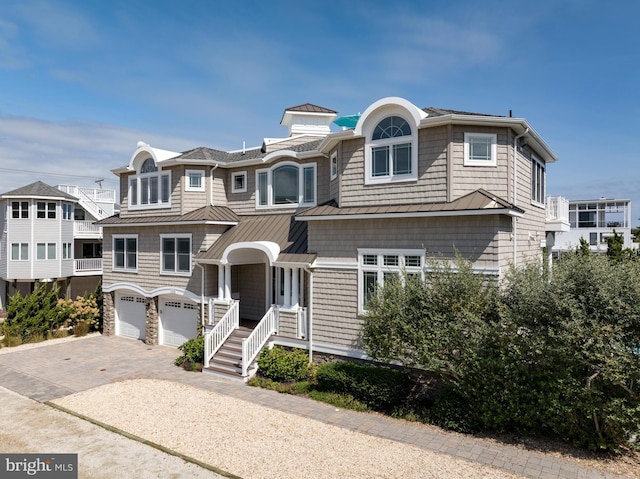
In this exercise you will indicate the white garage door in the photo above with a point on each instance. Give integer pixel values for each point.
(179, 320)
(130, 316)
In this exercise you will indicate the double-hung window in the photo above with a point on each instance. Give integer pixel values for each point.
(175, 254)
(67, 252)
(150, 188)
(20, 251)
(377, 266)
(125, 253)
(46, 251)
(286, 185)
(20, 209)
(391, 152)
(480, 149)
(537, 181)
(46, 210)
(67, 211)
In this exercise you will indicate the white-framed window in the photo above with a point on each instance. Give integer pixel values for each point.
(391, 153)
(67, 211)
(376, 265)
(286, 185)
(239, 182)
(194, 180)
(125, 253)
(46, 210)
(480, 149)
(175, 254)
(537, 182)
(45, 251)
(19, 251)
(150, 188)
(334, 165)
(19, 209)
(67, 251)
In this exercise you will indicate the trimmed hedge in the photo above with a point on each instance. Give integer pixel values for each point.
(381, 389)
(282, 365)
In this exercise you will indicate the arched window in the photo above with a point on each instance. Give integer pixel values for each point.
(149, 166)
(286, 185)
(150, 188)
(391, 154)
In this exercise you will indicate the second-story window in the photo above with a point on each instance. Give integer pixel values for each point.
(194, 180)
(125, 252)
(46, 210)
(286, 185)
(151, 188)
(537, 181)
(67, 211)
(239, 182)
(391, 152)
(480, 149)
(20, 209)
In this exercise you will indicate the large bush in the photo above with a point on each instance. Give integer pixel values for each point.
(34, 315)
(381, 389)
(556, 355)
(283, 365)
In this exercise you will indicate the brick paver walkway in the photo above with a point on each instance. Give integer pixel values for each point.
(62, 368)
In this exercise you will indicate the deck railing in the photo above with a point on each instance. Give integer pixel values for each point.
(557, 208)
(87, 264)
(87, 228)
(252, 345)
(221, 331)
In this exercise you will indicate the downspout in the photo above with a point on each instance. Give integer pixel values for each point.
(514, 220)
(202, 284)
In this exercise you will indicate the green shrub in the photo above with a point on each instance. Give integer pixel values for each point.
(381, 389)
(282, 365)
(192, 354)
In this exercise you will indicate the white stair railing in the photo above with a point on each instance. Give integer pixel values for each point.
(219, 334)
(251, 346)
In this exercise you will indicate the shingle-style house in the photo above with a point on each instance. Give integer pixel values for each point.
(48, 235)
(289, 238)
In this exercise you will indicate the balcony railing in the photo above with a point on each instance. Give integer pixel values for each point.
(87, 266)
(94, 194)
(86, 229)
(557, 208)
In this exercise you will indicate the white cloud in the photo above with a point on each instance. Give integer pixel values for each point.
(69, 153)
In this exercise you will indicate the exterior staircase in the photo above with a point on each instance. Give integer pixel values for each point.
(227, 362)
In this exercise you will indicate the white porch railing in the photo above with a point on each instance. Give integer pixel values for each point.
(87, 229)
(251, 346)
(557, 208)
(87, 264)
(219, 334)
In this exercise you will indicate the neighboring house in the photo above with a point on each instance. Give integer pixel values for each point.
(595, 221)
(291, 237)
(48, 235)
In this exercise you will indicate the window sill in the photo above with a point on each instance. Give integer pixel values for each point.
(385, 180)
(538, 205)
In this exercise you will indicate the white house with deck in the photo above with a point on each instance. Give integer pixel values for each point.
(49, 234)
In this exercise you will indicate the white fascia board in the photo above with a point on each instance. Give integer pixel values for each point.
(414, 214)
(32, 197)
(170, 223)
(520, 125)
(331, 140)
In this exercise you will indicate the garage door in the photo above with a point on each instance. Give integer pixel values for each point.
(130, 316)
(179, 321)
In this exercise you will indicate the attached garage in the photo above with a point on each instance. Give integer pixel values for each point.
(130, 316)
(178, 321)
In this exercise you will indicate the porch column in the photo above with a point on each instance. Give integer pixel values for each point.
(295, 287)
(227, 281)
(301, 270)
(287, 287)
(220, 282)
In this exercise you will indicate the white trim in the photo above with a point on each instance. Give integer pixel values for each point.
(272, 250)
(124, 269)
(138, 178)
(335, 265)
(233, 182)
(169, 223)
(334, 159)
(187, 182)
(176, 236)
(301, 186)
(493, 161)
(415, 214)
(539, 163)
(162, 291)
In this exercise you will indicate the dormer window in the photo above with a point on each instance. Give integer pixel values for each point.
(286, 185)
(150, 188)
(391, 153)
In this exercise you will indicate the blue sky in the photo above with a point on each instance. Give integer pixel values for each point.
(81, 82)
